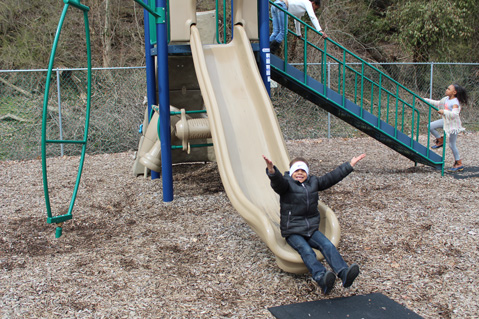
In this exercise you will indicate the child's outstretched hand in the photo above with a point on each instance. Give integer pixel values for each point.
(269, 164)
(357, 159)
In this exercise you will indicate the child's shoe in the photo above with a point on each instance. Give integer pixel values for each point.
(326, 282)
(457, 167)
(275, 47)
(347, 276)
(439, 143)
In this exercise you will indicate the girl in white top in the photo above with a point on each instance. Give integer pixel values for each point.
(449, 109)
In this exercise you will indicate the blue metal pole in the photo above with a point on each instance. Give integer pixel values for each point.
(150, 71)
(164, 105)
(264, 53)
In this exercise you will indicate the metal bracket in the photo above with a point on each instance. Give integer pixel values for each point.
(158, 13)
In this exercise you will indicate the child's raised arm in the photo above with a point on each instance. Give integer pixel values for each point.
(269, 164)
(354, 160)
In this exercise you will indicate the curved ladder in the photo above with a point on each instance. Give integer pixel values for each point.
(61, 218)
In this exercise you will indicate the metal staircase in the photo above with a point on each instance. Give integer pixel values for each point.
(358, 93)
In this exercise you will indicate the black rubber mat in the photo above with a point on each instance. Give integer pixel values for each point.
(356, 307)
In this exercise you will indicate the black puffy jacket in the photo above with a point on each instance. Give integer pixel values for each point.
(299, 201)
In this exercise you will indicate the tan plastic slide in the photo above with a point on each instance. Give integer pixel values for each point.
(244, 127)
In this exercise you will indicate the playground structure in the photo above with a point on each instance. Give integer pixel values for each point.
(242, 124)
(215, 96)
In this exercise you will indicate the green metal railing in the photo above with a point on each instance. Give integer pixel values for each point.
(158, 15)
(224, 22)
(62, 218)
(361, 83)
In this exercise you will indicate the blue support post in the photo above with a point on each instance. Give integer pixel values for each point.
(264, 52)
(150, 69)
(164, 105)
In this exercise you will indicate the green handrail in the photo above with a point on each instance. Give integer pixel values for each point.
(62, 218)
(157, 12)
(224, 21)
(175, 147)
(362, 80)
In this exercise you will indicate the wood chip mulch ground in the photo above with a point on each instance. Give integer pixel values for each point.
(128, 254)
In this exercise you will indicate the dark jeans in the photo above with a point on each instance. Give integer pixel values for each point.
(303, 245)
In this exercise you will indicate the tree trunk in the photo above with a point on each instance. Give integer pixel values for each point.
(107, 36)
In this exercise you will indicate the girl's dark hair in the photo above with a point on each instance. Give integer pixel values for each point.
(298, 159)
(316, 2)
(461, 93)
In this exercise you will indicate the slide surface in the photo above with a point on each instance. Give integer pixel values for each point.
(244, 127)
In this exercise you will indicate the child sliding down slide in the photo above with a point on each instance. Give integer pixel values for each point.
(298, 191)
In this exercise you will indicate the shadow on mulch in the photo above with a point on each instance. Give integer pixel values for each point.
(468, 172)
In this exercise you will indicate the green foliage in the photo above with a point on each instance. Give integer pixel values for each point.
(27, 31)
(20, 46)
(418, 30)
(431, 29)
(370, 25)
(380, 30)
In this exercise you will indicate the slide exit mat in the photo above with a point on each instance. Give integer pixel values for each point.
(362, 307)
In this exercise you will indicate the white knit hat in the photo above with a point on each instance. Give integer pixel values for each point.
(298, 165)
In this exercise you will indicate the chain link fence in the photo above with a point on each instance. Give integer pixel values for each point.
(301, 119)
(117, 110)
(117, 107)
